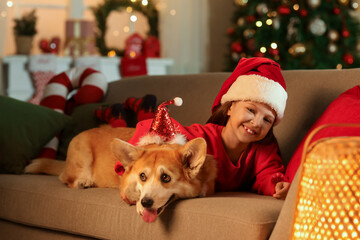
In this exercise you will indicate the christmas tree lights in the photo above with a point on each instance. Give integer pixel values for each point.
(299, 34)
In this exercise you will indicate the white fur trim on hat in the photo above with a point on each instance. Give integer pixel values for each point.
(156, 139)
(258, 89)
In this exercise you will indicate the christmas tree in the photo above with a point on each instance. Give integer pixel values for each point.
(298, 34)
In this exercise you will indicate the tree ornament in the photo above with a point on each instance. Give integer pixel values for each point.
(332, 48)
(276, 23)
(273, 52)
(314, 3)
(241, 3)
(355, 4)
(241, 21)
(236, 47)
(249, 33)
(317, 26)
(262, 9)
(303, 12)
(336, 11)
(345, 33)
(333, 35)
(284, 10)
(297, 49)
(259, 54)
(235, 56)
(348, 58)
(344, 2)
(230, 30)
(250, 18)
(250, 44)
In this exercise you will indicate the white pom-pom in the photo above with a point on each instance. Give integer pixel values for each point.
(178, 101)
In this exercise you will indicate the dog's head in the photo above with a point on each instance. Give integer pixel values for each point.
(156, 175)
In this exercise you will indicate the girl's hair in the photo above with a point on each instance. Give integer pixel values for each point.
(220, 117)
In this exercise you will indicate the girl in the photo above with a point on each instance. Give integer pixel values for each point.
(239, 132)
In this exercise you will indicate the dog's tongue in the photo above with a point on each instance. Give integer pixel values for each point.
(149, 215)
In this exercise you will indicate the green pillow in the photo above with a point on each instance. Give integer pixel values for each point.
(82, 118)
(24, 129)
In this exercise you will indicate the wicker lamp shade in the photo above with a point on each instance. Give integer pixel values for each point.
(328, 200)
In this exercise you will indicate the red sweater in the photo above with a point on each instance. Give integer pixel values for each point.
(258, 169)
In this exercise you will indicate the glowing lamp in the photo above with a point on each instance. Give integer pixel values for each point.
(328, 200)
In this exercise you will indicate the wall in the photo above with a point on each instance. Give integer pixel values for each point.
(220, 13)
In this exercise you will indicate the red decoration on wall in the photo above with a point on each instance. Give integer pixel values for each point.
(49, 47)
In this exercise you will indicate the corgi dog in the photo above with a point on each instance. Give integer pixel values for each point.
(154, 174)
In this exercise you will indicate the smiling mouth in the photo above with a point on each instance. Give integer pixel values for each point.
(248, 130)
(160, 209)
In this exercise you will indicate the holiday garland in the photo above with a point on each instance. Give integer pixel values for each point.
(102, 11)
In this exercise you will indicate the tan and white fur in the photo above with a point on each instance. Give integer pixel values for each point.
(155, 174)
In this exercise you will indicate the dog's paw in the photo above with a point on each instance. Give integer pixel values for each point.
(84, 183)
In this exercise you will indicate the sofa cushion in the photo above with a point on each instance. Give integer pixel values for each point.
(43, 201)
(344, 109)
(24, 129)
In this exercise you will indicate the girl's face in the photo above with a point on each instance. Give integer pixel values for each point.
(249, 121)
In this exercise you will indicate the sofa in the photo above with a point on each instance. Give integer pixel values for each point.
(41, 207)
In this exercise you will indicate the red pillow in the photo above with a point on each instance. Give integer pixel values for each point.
(344, 109)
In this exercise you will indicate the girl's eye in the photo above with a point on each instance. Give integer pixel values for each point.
(267, 120)
(143, 177)
(165, 178)
(251, 110)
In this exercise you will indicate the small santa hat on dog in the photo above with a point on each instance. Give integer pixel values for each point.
(162, 129)
(255, 79)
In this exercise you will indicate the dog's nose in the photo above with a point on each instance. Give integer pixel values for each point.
(147, 202)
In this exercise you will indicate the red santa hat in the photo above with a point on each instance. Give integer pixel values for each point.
(255, 79)
(162, 129)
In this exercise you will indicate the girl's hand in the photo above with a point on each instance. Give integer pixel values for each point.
(281, 190)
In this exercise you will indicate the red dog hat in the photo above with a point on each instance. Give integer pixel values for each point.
(256, 79)
(162, 129)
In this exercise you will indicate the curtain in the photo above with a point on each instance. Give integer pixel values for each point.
(184, 34)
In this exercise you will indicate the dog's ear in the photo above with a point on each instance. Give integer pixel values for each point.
(193, 156)
(125, 152)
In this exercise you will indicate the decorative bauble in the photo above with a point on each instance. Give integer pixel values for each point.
(284, 10)
(332, 48)
(250, 44)
(314, 3)
(236, 47)
(273, 52)
(355, 4)
(297, 49)
(241, 21)
(230, 31)
(262, 9)
(276, 23)
(348, 58)
(345, 33)
(303, 12)
(44, 45)
(317, 26)
(235, 56)
(259, 54)
(241, 3)
(249, 33)
(344, 2)
(333, 35)
(336, 11)
(250, 18)
(54, 45)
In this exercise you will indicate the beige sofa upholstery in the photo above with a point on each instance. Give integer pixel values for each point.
(40, 207)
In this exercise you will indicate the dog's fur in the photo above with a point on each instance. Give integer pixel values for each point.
(155, 174)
